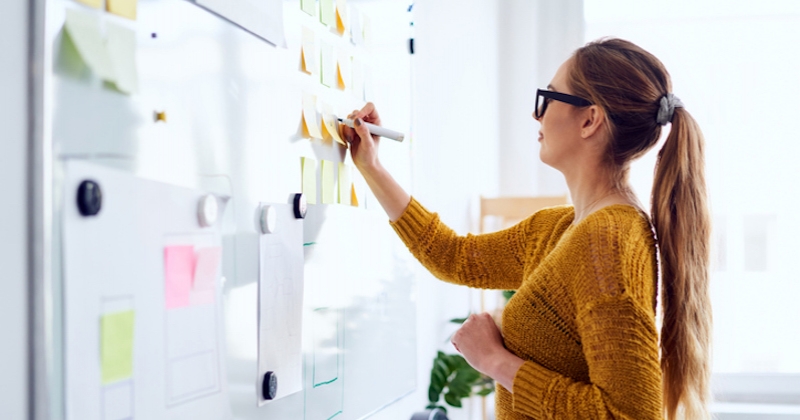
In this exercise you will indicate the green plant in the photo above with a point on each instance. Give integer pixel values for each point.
(454, 378)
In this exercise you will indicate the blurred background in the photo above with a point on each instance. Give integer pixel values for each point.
(477, 64)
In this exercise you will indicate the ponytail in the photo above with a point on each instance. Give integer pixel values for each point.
(682, 224)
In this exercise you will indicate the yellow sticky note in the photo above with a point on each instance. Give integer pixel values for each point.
(121, 46)
(344, 184)
(353, 197)
(331, 127)
(341, 16)
(309, 6)
(91, 3)
(327, 12)
(328, 183)
(124, 8)
(84, 31)
(309, 170)
(310, 120)
(343, 72)
(327, 64)
(116, 346)
(307, 53)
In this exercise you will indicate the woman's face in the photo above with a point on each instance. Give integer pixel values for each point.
(560, 132)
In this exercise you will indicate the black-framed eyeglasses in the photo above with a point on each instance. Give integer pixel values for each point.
(543, 98)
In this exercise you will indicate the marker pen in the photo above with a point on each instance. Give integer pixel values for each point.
(376, 130)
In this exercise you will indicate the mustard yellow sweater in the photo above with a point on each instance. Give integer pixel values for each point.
(583, 317)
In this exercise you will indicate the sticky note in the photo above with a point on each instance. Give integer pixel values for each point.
(356, 31)
(84, 31)
(124, 8)
(116, 346)
(121, 46)
(366, 29)
(308, 167)
(327, 64)
(328, 183)
(309, 6)
(327, 13)
(179, 266)
(308, 54)
(205, 275)
(310, 120)
(344, 184)
(91, 3)
(341, 16)
(330, 126)
(343, 72)
(357, 84)
(353, 197)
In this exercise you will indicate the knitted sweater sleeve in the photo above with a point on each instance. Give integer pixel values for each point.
(488, 261)
(612, 291)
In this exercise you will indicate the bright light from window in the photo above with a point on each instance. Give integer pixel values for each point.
(736, 66)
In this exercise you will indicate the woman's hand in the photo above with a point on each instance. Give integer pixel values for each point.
(480, 342)
(363, 146)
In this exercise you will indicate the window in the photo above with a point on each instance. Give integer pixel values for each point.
(736, 67)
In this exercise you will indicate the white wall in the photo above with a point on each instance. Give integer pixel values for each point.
(13, 223)
(536, 36)
(476, 69)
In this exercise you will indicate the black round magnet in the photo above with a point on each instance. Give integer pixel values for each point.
(269, 387)
(90, 198)
(300, 206)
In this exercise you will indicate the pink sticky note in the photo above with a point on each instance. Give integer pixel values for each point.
(178, 275)
(205, 275)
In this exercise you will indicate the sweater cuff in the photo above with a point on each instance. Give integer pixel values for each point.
(413, 222)
(530, 388)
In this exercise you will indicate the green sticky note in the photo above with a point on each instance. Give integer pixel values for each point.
(309, 171)
(116, 346)
(327, 13)
(309, 6)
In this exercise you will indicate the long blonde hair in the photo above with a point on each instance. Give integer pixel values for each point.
(628, 83)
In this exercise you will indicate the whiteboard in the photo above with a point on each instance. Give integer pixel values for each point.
(233, 110)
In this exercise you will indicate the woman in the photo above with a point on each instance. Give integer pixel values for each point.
(579, 338)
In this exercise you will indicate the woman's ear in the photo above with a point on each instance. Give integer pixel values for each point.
(594, 118)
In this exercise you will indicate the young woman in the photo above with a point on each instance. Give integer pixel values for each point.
(579, 338)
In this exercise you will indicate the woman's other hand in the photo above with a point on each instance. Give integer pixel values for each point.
(363, 146)
(480, 342)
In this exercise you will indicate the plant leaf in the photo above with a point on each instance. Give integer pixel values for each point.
(452, 399)
(459, 320)
(485, 391)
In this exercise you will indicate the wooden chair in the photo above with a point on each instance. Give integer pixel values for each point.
(511, 210)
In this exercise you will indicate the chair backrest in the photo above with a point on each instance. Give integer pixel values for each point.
(511, 210)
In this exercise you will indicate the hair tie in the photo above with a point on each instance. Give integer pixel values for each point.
(667, 108)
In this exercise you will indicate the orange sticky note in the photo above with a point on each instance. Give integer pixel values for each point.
(343, 71)
(341, 14)
(307, 54)
(124, 8)
(328, 183)
(353, 197)
(310, 120)
(331, 126)
(308, 167)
